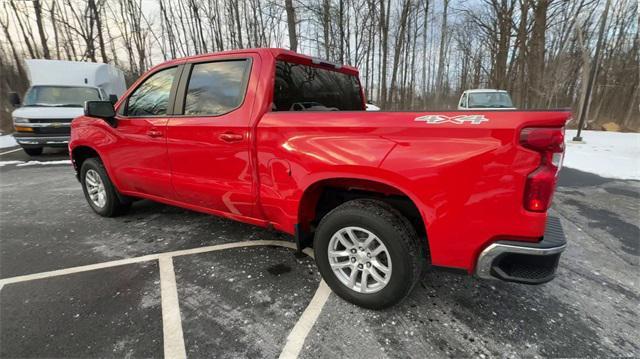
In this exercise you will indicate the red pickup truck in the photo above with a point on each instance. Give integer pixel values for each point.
(278, 139)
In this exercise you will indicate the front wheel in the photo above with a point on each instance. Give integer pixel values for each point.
(368, 253)
(99, 191)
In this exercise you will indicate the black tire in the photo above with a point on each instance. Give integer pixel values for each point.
(33, 151)
(396, 233)
(114, 205)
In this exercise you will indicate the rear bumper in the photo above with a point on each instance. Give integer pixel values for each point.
(522, 262)
(42, 140)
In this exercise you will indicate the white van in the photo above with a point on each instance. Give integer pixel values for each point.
(485, 99)
(56, 96)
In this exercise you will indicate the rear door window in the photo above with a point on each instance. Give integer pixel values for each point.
(307, 88)
(216, 88)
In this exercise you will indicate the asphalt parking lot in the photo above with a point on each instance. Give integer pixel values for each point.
(181, 280)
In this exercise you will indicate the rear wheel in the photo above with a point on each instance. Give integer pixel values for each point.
(368, 253)
(100, 193)
(33, 151)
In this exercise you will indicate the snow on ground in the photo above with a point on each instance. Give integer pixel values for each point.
(7, 141)
(44, 163)
(607, 154)
(6, 163)
(34, 163)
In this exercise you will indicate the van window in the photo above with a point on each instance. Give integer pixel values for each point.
(151, 98)
(216, 88)
(306, 88)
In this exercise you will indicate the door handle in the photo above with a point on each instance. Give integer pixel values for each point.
(154, 133)
(231, 137)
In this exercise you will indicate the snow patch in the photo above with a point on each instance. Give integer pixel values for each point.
(5, 163)
(7, 141)
(607, 154)
(34, 163)
(44, 163)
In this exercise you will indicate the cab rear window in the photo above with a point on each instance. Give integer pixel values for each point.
(307, 88)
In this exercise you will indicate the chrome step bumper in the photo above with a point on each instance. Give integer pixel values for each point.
(523, 262)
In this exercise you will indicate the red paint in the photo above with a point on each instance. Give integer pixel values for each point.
(467, 180)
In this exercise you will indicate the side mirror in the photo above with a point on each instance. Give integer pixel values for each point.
(14, 99)
(101, 109)
(113, 99)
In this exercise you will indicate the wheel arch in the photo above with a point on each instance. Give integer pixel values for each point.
(81, 153)
(324, 194)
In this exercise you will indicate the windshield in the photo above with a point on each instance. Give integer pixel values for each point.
(60, 96)
(490, 100)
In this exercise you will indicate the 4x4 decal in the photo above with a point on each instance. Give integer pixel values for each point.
(458, 120)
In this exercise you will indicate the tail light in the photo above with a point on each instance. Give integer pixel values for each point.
(541, 183)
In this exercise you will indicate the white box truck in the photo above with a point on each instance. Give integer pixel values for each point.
(56, 96)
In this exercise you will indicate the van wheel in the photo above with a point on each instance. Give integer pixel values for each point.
(99, 191)
(33, 151)
(368, 253)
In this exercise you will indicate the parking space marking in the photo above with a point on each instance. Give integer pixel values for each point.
(12, 151)
(299, 333)
(149, 257)
(297, 336)
(171, 320)
(79, 269)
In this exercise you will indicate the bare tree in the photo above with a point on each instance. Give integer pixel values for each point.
(291, 25)
(412, 54)
(442, 54)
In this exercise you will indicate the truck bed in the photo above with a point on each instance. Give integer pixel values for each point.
(467, 181)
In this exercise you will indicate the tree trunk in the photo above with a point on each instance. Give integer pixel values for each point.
(441, 54)
(384, 29)
(33, 51)
(326, 26)
(291, 24)
(536, 51)
(424, 53)
(400, 39)
(341, 30)
(17, 59)
(238, 24)
(95, 12)
(522, 54)
(37, 8)
(52, 17)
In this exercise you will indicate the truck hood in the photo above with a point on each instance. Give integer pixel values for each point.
(48, 112)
